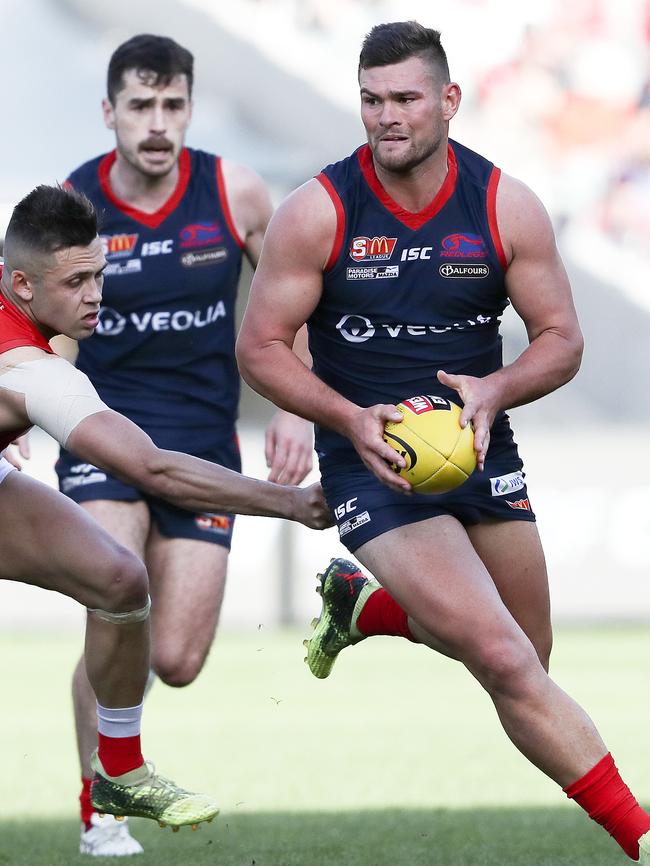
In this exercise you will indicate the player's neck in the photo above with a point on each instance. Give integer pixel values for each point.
(139, 190)
(415, 190)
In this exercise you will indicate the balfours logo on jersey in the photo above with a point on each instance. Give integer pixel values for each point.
(204, 257)
(463, 271)
(381, 272)
(463, 245)
(377, 249)
(201, 235)
(118, 246)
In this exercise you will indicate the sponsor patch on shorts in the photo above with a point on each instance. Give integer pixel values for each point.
(507, 483)
(220, 524)
(84, 474)
(522, 504)
(353, 523)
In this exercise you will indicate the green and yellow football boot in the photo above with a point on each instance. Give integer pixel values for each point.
(143, 793)
(344, 590)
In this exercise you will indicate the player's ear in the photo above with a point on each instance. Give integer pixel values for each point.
(22, 286)
(451, 96)
(109, 113)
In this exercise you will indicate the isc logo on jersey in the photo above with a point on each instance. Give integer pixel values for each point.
(377, 249)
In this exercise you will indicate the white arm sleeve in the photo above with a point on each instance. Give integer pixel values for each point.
(57, 395)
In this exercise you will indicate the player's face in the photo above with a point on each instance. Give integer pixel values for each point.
(406, 112)
(150, 122)
(67, 295)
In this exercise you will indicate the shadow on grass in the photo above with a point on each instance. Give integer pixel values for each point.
(390, 837)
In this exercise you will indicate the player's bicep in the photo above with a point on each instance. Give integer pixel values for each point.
(288, 281)
(536, 280)
(57, 396)
(115, 444)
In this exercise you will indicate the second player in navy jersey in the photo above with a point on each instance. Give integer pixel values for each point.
(401, 259)
(176, 223)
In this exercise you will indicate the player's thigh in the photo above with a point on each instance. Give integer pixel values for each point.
(431, 568)
(512, 553)
(49, 541)
(127, 522)
(188, 579)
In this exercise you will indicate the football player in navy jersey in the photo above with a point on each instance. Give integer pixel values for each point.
(176, 223)
(401, 259)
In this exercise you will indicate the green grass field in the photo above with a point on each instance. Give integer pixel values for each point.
(396, 759)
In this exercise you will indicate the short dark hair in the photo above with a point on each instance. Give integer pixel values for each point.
(48, 219)
(148, 54)
(400, 40)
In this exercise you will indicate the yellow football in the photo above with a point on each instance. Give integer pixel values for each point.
(439, 453)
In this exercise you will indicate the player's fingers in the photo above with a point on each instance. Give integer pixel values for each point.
(278, 462)
(23, 446)
(386, 412)
(269, 447)
(450, 380)
(9, 457)
(303, 467)
(289, 474)
(481, 442)
(466, 414)
(387, 476)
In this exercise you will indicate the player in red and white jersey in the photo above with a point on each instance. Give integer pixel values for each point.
(52, 284)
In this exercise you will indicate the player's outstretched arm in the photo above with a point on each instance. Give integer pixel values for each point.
(114, 443)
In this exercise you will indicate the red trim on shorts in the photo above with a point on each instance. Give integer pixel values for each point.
(151, 220)
(409, 219)
(221, 186)
(328, 186)
(493, 183)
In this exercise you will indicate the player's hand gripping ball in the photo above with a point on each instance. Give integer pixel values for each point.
(439, 453)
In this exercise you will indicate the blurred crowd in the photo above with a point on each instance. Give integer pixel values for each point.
(556, 93)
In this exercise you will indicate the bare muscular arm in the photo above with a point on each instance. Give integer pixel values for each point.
(286, 289)
(111, 441)
(539, 289)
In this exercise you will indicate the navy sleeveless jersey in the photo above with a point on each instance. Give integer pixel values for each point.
(407, 294)
(163, 352)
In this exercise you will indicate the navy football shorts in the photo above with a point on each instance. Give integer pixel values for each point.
(365, 508)
(83, 482)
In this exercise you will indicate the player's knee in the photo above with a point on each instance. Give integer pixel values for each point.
(126, 584)
(177, 669)
(506, 665)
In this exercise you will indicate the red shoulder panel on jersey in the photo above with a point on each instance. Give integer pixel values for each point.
(223, 196)
(151, 220)
(493, 183)
(328, 186)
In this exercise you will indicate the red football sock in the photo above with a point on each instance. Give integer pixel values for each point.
(607, 799)
(381, 614)
(120, 754)
(84, 800)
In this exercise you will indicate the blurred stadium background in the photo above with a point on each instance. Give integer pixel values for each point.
(555, 93)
